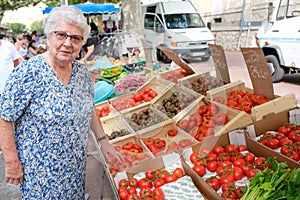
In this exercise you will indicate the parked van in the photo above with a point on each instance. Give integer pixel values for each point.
(179, 26)
(280, 38)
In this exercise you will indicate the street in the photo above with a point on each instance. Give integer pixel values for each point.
(237, 71)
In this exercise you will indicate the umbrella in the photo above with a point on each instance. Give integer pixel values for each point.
(91, 8)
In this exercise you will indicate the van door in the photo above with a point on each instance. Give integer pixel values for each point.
(154, 29)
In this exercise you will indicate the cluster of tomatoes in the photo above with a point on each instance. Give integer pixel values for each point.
(148, 187)
(146, 95)
(174, 75)
(155, 145)
(132, 154)
(103, 111)
(287, 139)
(224, 166)
(202, 123)
(241, 100)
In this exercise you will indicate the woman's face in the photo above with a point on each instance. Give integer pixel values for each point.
(64, 43)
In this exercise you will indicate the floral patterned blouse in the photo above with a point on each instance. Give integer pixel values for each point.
(52, 123)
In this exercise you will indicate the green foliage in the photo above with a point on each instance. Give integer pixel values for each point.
(37, 26)
(16, 28)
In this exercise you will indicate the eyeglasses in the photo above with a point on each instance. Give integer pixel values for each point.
(60, 35)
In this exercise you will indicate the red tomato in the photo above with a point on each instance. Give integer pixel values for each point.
(294, 156)
(229, 195)
(172, 132)
(133, 196)
(122, 192)
(158, 194)
(260, 163)
(137, 97)
(242, 148)
(148, 141)
(226, 178)
(213, 182)
(285, 129)
(239, 162)
(211, 157)
(158, 182)
(127, 146)
(123, 183)
(178, 172)
(162, 173)
(273, 143)
(150, 173)
(131, 190)
(202, 109)
(231, 148)
(219, 100)
(250, 173)
(213, 109)
(133, 182)
(249, 157)
(212, 166)
(238, 173)
(199, 169)
(228, 186)
(183, 124)
(218, 149)
(220, 118)
(170, 178)
(144, 183)
(145, 192)
(194, 157)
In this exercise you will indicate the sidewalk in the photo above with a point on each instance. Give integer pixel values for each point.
(93, 179)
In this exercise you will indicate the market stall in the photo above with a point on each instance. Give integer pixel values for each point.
(177, 128)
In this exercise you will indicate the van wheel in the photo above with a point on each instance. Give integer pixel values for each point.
(163, 57)
(278, 72)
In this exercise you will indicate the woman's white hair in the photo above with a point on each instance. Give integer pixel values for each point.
(69, 14)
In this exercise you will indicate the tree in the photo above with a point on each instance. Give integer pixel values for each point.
(16, 28)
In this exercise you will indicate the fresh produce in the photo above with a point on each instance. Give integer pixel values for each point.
(103, 110)
(204, 121)
(227, 168)
(130, 82)
(173, 104)
(118, 133)
(172, 132)
(111, 74)
(286, 140)
(132, 153)
(275, 182)
(174, 75)
(149, 186)
(143, 119)
(241, 100)
(124, 102)
(203, 83)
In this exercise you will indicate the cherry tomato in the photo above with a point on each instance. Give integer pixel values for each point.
(158, 194)
(131, 190)
(242, 148)
(218, 149)
(178, 172)
(199, 169)
(133, 196)
(122, 192)
(144, 183)
(249, 157)
(172, 132)
(158, 182)
(170, 178)
(123, 183)
(250, 173)
(213, 182)
(238, 173)
(145, 192)
(212, 166)
(150, 173)
(194, 157)
(231, 148)
(133, 182)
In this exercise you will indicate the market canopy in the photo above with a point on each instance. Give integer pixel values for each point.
(91, 8)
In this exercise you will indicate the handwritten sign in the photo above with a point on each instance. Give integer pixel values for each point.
(258, 71)
(219, 58)
(173, 56)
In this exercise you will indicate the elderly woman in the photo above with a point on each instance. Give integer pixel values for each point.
(46, 114)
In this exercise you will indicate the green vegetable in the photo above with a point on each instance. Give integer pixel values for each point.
(277, 182)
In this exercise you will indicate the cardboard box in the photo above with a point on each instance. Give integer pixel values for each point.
(115, 123)
(236, 119)
(271, 122)
(180, 189)
(258, 111)
(207, 82)
(143, 117)
(236, 137)
(177, 99)
(162, 133)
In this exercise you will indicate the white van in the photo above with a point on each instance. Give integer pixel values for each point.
(179, 26)
(280, 38)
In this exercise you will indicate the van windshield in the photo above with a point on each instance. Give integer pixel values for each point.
(184, 20)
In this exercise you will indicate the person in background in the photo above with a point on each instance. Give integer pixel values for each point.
(32, 48)
(50, 100)
(41, 49)
(89, 47)
(22, 46)
(9, 59)
(35, 37)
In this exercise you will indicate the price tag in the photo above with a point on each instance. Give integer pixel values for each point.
(219, 58)
(258, 71)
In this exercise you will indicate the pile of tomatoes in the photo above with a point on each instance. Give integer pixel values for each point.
(148, 187)
(155, 145)
(241, 100)
(286, 139)
(146, 95)
(103, 110)
(223, 167)
(202, 123)
(132, 154)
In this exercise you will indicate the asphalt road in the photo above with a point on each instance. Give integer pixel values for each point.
(237, 71)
